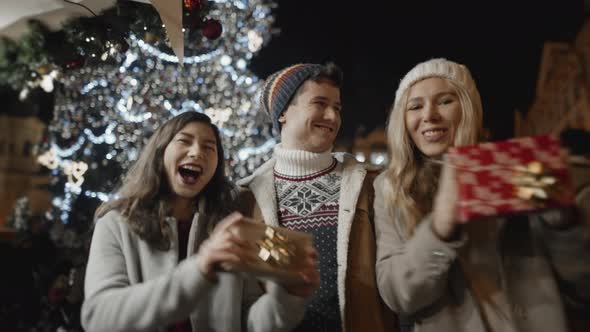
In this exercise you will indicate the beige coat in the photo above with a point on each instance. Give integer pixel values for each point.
(420, 276)
(361, 308)
(130, 286)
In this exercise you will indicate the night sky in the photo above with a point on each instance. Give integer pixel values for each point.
(376, 43)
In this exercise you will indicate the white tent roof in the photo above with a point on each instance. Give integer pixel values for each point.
(15, 13)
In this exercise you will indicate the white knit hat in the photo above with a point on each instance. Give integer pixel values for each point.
(443, 68)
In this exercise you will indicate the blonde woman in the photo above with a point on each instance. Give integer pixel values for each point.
(487, 275)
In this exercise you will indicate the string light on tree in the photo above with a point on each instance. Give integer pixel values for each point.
(104, 115)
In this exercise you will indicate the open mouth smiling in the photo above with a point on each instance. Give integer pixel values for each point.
(190, 173)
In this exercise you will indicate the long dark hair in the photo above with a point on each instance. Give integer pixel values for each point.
(144, 193)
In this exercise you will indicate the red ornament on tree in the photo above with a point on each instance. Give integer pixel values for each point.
(212, 28)
(191, 5)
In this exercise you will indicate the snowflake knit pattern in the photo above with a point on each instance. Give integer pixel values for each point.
(309, 203)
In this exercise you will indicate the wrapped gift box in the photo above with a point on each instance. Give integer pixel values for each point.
(277, 253)
(513, 176)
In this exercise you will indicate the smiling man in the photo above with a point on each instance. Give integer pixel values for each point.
(305, 188)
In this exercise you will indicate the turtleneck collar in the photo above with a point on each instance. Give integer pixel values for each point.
(301, 163)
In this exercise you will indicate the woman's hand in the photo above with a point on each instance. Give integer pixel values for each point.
(308, 271)
(222, 247)
(444, 214)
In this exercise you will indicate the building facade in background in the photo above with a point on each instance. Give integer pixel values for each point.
(20, 173)
(562, 97)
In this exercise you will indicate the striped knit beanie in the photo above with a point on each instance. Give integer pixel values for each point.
(280, 87)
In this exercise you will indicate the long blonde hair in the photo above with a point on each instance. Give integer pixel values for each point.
(410, 180)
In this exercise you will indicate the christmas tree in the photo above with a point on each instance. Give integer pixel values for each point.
(109, 103)
(104, 115)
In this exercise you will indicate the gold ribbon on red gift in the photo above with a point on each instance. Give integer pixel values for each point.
(275, 248)
(534, 182)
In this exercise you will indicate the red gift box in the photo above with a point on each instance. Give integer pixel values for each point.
(513, 176)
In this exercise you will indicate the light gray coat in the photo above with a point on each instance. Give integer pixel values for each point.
(419, 276)
(131, 286)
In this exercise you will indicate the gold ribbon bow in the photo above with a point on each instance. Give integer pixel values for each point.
(534, 183)
(275, 247)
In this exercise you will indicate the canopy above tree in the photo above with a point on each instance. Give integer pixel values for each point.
(14, 15)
